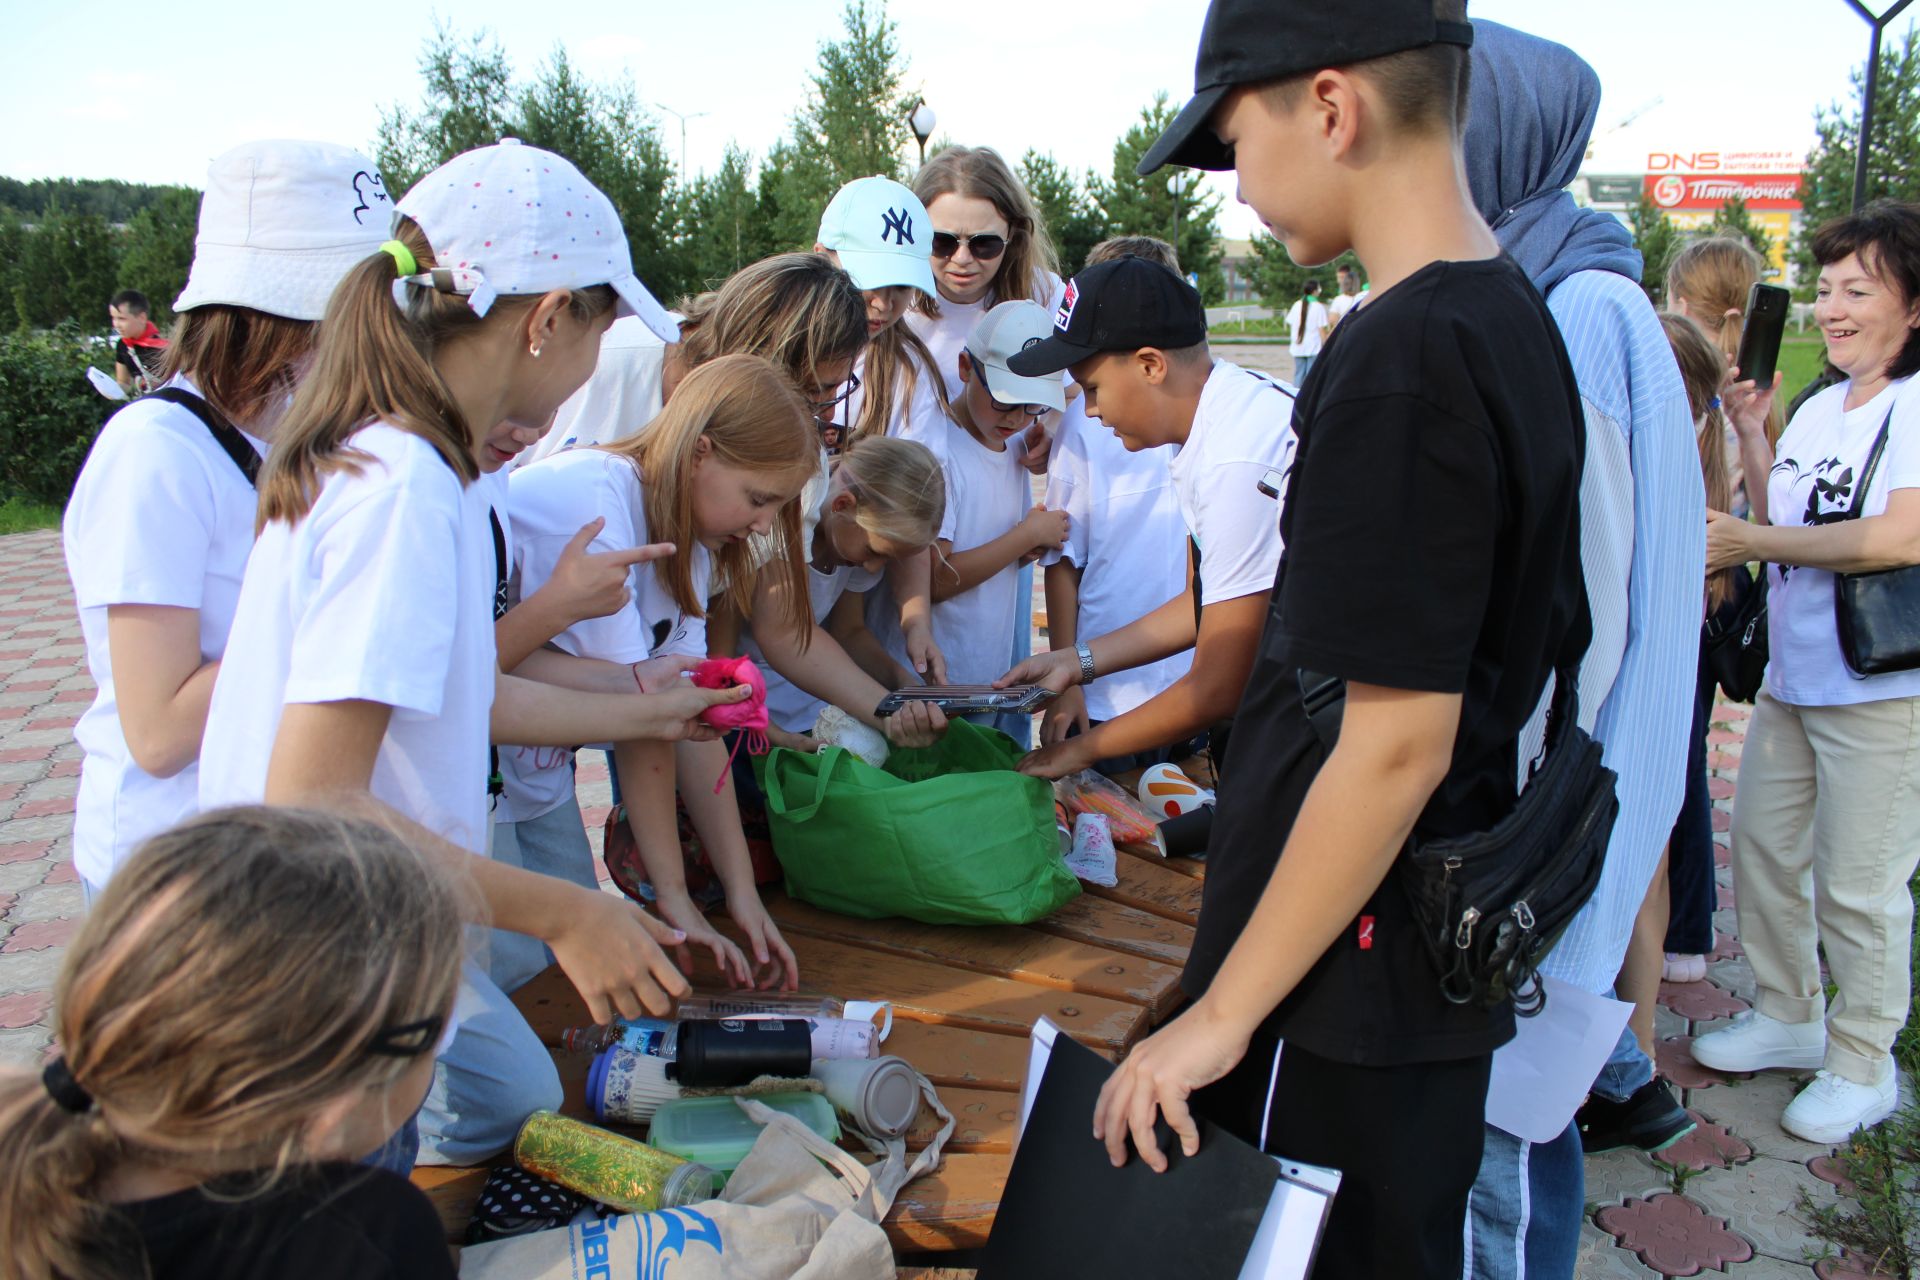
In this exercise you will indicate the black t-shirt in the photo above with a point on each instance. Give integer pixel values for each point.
(1432, 543)
(142, 359)
(328, 1222)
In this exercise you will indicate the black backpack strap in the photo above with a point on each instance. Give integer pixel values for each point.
(224, 433)
(496, 781)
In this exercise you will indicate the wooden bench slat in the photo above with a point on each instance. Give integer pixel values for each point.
(928, 992)
(1117, 927)
(1152, 887)
(1023, 954)
(950, 1208)
(960, 1056)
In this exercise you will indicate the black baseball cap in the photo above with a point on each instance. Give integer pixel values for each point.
(1252, 41)
(1121, 305)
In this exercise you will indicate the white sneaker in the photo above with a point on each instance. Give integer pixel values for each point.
(1755, 1042)
(1832, 1107)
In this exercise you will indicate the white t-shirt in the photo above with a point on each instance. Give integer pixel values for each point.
(788, 705)
(987, 494)
(383, 593)
(623, 395)
(946, 334)
(1242, 429)
(550, 501)
(1341, 304)
(917, 417)
(1821, 455)
(1126, 535)
(1306, 342)
(160, 515)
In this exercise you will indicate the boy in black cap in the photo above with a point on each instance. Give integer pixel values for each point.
(1135, 336)
(1432, 563)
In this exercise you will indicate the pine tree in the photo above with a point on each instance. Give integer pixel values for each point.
(468, 103)
(1132, 205)
(67, 269)
(722, 227)
(157, 249)
(1893, 157)
(852, 125)
(1657, 241)
(1732, 219)
(1073, 220)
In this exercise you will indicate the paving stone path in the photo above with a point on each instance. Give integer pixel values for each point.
(1724, 1200)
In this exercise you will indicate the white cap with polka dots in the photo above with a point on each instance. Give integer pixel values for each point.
(512, 219)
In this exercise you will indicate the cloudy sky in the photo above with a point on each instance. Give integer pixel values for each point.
(152, 93)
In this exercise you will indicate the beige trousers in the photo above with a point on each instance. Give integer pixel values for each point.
(1826, 834)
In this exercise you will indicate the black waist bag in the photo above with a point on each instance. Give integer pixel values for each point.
(1490, 905)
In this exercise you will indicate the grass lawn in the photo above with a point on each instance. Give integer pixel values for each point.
(1801, 360)
(19, 516)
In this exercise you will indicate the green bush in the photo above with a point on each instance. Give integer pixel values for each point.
(49, 414)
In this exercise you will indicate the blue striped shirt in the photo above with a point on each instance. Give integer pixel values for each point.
(1643, 550)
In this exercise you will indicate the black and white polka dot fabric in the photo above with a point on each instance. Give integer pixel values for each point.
(516, 1203)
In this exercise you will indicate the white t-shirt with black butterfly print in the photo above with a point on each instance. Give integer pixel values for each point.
(1816, 473)
(549, 501)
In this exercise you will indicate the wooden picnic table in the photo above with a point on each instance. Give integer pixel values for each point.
(1104, 968)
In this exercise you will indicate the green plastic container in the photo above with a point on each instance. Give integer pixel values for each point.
(715, 1132)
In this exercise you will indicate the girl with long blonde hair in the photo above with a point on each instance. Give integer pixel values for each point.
(721, 465)
(250, 1008)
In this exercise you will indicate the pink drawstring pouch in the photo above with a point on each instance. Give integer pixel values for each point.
(749, 717)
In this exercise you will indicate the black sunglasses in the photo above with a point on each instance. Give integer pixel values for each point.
(407, 1040)
(1030, 410)
(985, 248)
(824, 407)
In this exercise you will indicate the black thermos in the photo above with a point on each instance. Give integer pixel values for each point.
(736, 1051)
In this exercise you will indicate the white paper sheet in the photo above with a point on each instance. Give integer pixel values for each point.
(1541, 1076)
(1289, 1231)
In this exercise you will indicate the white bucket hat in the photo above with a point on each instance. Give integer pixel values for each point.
(280, 225)
(512, 219)
(882, 233)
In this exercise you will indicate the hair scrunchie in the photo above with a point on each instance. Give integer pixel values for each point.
(64, 1089)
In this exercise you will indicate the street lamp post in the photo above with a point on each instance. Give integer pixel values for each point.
(682, 118)
(921, 120)
(1879, 25)
(1177, 186)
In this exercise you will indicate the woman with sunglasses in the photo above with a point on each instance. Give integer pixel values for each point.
(990, 245)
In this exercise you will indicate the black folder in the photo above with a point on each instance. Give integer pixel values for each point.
(1067, 1212)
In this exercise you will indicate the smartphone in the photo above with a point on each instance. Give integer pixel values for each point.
(1760, 340)
(967, 699)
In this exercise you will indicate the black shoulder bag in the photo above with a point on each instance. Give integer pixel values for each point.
(1490, 905)
(1878, 613)
(1735, 636)
(224, 433)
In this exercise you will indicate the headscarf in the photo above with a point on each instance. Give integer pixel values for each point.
(1530, 117)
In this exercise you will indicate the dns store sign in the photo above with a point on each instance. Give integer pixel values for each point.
(1708, 179)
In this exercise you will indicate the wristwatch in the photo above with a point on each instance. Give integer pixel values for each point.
(1086, 662)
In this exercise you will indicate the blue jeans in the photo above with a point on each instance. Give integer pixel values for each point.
(553, 844)
(1690, 881)
(1530, 1198)
(1528, 1203)
(1301, 364)
(494, 1075)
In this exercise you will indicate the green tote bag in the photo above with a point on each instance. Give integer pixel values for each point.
(947, 834)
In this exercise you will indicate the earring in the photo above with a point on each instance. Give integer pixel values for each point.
(534, 351)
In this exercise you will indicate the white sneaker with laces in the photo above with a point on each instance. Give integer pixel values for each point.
(1755, 1042)
(1832, 1107)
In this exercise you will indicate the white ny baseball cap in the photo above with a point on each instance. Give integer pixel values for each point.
(1004, 333)
(281, 224)
(510, 219)
(882, 233)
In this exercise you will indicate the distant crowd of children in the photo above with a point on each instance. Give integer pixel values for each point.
(426, 492)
